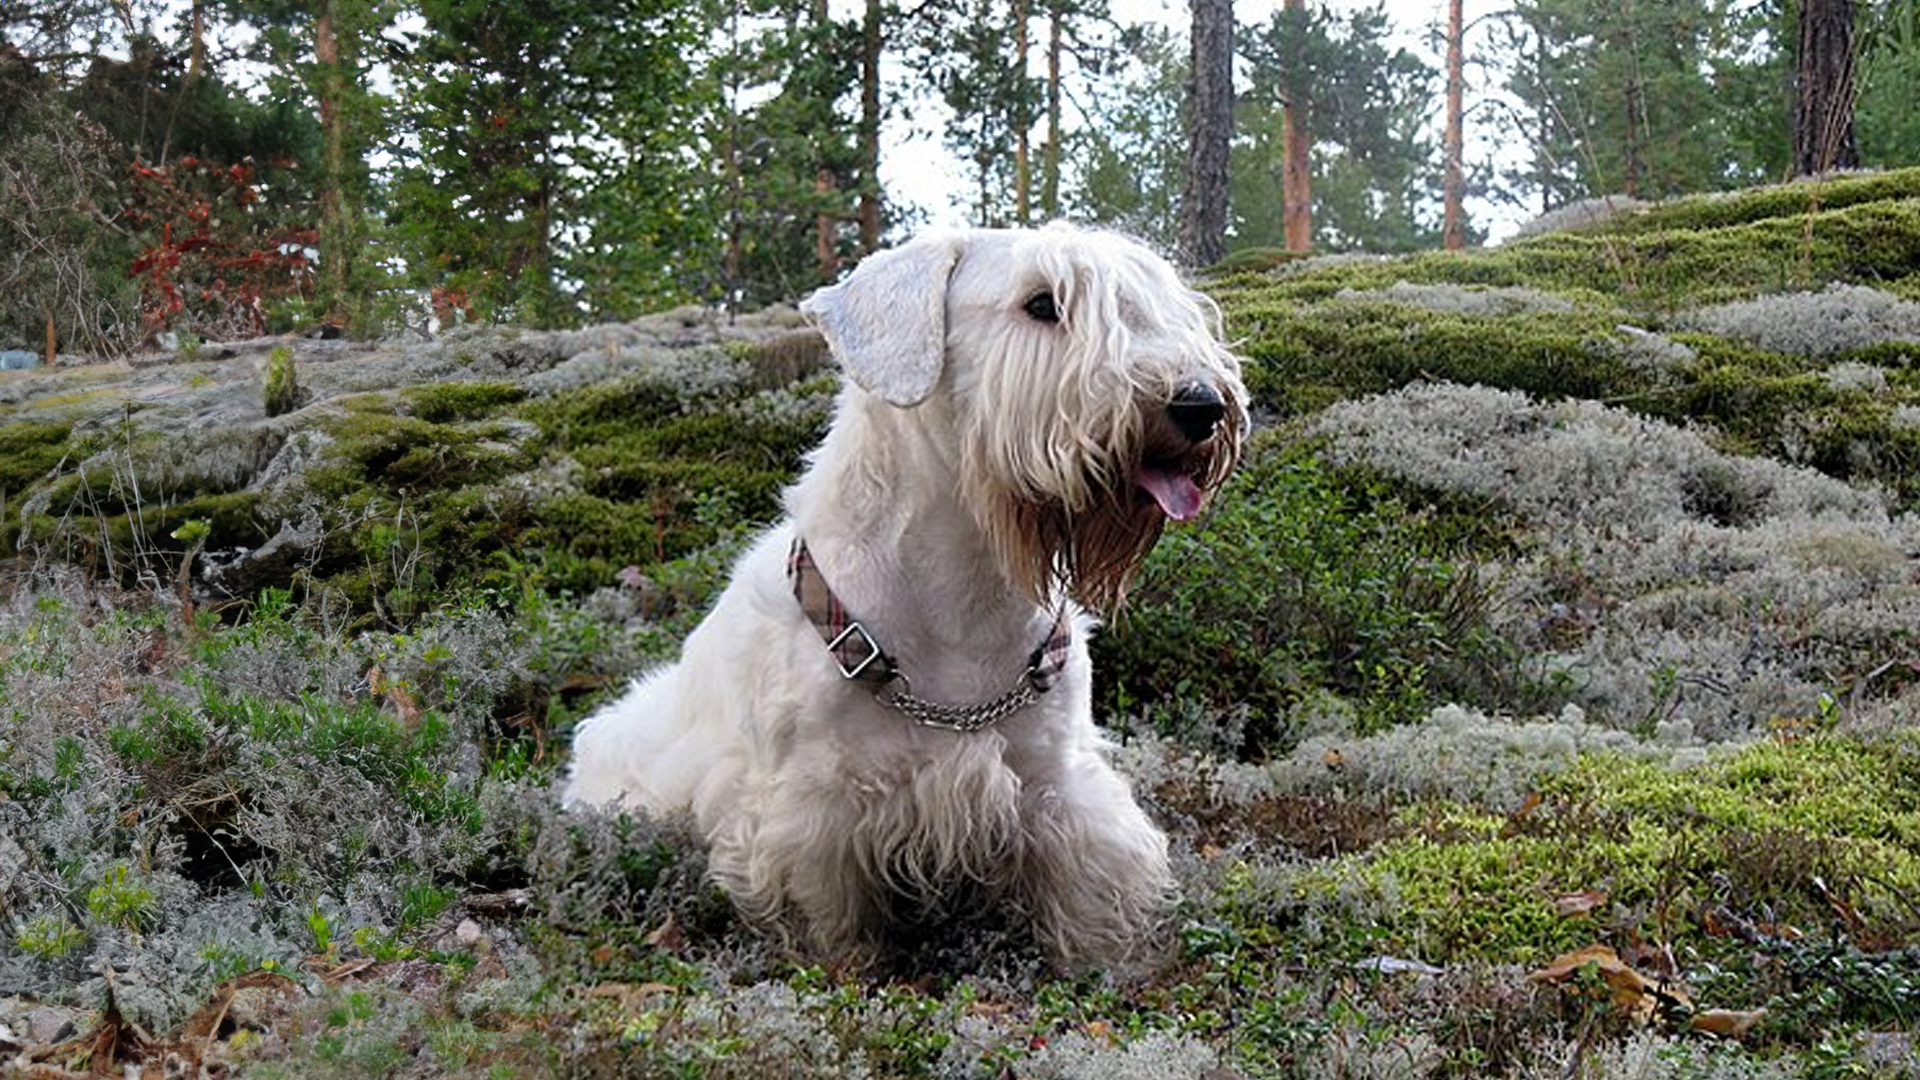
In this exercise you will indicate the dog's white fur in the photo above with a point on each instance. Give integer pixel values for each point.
(961, 413)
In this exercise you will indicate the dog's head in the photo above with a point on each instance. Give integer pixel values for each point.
(1088, 393)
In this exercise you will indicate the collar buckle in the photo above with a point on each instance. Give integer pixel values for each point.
(865, 640)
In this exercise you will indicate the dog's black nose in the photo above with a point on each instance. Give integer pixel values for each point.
(1196, 409)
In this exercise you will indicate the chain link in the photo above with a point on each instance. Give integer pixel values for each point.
(963, 718)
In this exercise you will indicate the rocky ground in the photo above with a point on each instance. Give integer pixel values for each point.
(1539, 700)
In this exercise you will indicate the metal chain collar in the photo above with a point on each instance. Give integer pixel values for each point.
(859, 657)
(964, 718)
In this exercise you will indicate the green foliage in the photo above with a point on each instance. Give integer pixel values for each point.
(475, 203)
(1302, 580)
(994, 101)
(59, 261)
(49, 937)
(205, 117)
(1889, 63)
(555, 172)
(789, 160)
(1132, 172)
(119, 900)
(354, 118)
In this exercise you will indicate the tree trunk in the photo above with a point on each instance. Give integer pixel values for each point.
(197, 55)
(1639, 133)
(870, 44)
(1823, 108)
(1453, 229)
(1203, 217)
(333, 241)
(826, 258)
(1022, 151)
(730, 162)
(1050, 163)
(825, 253)
(1296, 148)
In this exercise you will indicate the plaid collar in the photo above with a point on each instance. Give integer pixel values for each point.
(860, 657)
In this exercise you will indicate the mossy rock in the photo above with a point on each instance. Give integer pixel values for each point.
(1790, 201)
(29, 450)
(442, 403)
(1322, 332)
(375, 447)
(650, 471)
(784, 360)
(1303, 359)
(1668, 258)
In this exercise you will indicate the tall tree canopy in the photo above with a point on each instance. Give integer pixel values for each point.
(175, 167)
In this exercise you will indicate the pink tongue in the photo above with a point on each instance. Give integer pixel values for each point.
(1176, 493)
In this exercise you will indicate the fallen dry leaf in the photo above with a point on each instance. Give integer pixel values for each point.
(668, 935)
(1727, 1023)
(1632, 993)
(1579, 904)
(631, 996)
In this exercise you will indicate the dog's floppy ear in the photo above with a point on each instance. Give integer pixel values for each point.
(887, 322)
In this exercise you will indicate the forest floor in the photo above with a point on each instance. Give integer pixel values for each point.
(1541, 699)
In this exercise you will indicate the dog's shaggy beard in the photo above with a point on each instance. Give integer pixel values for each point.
(1094, 553)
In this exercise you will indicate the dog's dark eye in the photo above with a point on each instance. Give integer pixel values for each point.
(1040, 306)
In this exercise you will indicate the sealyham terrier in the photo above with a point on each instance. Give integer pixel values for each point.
(885, 723)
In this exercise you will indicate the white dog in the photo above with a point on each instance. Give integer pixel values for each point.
(886, 721)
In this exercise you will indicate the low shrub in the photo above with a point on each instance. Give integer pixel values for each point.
(1303, 579)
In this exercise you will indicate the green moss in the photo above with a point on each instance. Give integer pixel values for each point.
(1308, 346)
(783, 360)
(651, 475)
(282, 388)
(110, 538)
(1830, 785)
(1304, 357)
(28, 451)
(1789, 201)
(442, 403)
(377, 449)
(1780, 831)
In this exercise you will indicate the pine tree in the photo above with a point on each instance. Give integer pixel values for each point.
(1646, 99)
(322, 51)
(1373, 173)
(474, 199)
